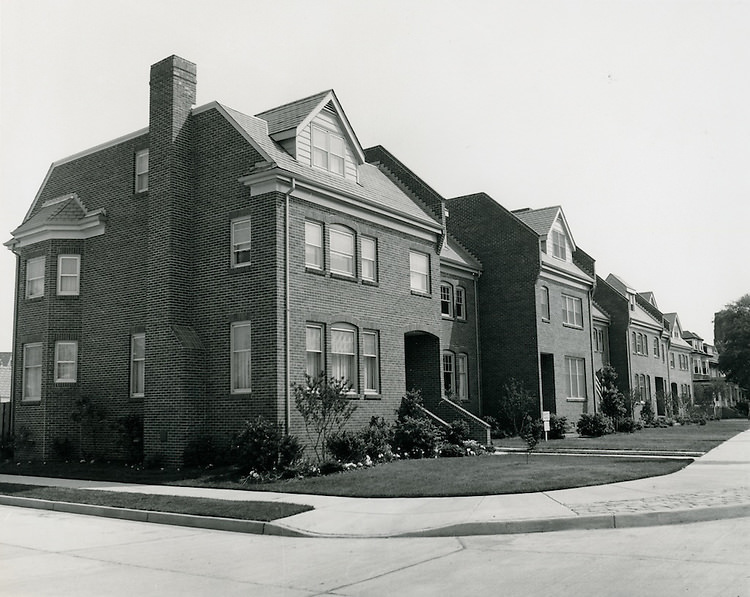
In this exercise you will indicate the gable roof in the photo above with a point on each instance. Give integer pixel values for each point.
(288, 120)
(539, 220)
(373, 186)
(453, 253)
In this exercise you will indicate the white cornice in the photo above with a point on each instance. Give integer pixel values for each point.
(89, 226)
(276, 179)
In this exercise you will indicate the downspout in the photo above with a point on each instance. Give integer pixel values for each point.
(479, 349)
(287, 314)
(14, 355)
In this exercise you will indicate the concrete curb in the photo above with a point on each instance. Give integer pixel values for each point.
(505, 527)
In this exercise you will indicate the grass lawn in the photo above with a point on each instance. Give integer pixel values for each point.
(485, 475)
(688, 438)
(261, 511)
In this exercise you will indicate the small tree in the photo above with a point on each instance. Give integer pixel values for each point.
(612, 403)
(529, 434)
(325, 407)
(516, 403)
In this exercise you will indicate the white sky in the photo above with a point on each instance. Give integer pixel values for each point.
(634, 116)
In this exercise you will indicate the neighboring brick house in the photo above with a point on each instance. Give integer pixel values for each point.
(600, 336)
(637, 342)
(190, 272)
(534, 303)
(680, 377)
(706, 376)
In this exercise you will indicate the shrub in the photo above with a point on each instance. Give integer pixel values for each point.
(612, 402)
(63, 448)
(377, 437)
(415, 437)
(346, 446)
(626, 425)
(557, 427)
(743, 408)
(647, 413)
(261, 447)
(153, 461)
(203, 450)
(457, 432)
(290, 452)
(593, 425)
(451, 451)
(325, 407)
(410, 406)
(329, 467)
(129, 430)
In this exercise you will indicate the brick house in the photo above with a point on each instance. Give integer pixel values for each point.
(190, 272)
(680, 378)
(534, 302)
(637, 342)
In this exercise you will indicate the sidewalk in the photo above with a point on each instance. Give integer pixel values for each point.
(715, 486)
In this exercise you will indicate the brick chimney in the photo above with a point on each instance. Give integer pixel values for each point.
(172, 390)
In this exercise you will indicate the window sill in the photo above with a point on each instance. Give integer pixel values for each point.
(420, 293)
(34, 298)
(240, 393)
(572, 326)
(346, 277)
(447, 317)
(31, 401)
(373, 396)
(545, 320)
(314, 270)
(574, 399)
(372, 283)
(241, 266)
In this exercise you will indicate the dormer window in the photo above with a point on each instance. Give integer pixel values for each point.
(558, 245)
(328, 150)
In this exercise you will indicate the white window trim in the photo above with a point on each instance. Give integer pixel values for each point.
(242, 246)
(142, 172)
(574, 300)
(328, 135)
(546, 313)
(58, 362)
(37, 371)
(446, 298)
(77, 275)
(580, 378)
(343, 231)
(349, 329)
(369, 241)
(29, 279)
(376, 357)
(449, 357)
(418, 273)
(559, 235)
(320, 351)
(462, 389)
(460, 292)
(309, 225)
(133, 361)
(236, 389)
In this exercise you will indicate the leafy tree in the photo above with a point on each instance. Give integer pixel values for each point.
(612, 402)
(732, 333)
(516, 404)
(325, 408)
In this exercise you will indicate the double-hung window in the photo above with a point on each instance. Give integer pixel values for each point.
(141, 171)
(572, 312)
(314, 349)
(460, 303)
(240, 242)
(328, 150)
(35, 277)
(656, 348)
(462, 377)
(419, 271)
(241, 352)
(342, 250)
(446, 300)
(449, 372)
(32, 371)
(369, 259)
(137, 365)
(66, 361)
(314, 245)
(558, 245)
(575, 377)
(370, 349)
(68, 275)
(344, 353)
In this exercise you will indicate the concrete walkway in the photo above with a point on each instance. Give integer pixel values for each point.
(715, 486)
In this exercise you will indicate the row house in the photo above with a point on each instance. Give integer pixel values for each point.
(706, 376)
(681, 379)
(189, 273)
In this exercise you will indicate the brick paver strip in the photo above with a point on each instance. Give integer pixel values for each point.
(678, 501)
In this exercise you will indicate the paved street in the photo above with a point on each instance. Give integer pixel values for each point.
(50, 553)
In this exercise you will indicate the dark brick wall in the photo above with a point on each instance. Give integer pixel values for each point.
(509, 252)
(617, 307)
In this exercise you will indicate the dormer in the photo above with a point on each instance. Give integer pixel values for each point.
(623, 288)
(555, 238)
(316, 132)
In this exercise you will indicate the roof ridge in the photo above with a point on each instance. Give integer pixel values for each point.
(297, 101)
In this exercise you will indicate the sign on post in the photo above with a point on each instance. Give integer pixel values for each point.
(545, 421)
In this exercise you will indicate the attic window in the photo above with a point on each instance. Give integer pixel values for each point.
(328, 150)
(558, 245)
